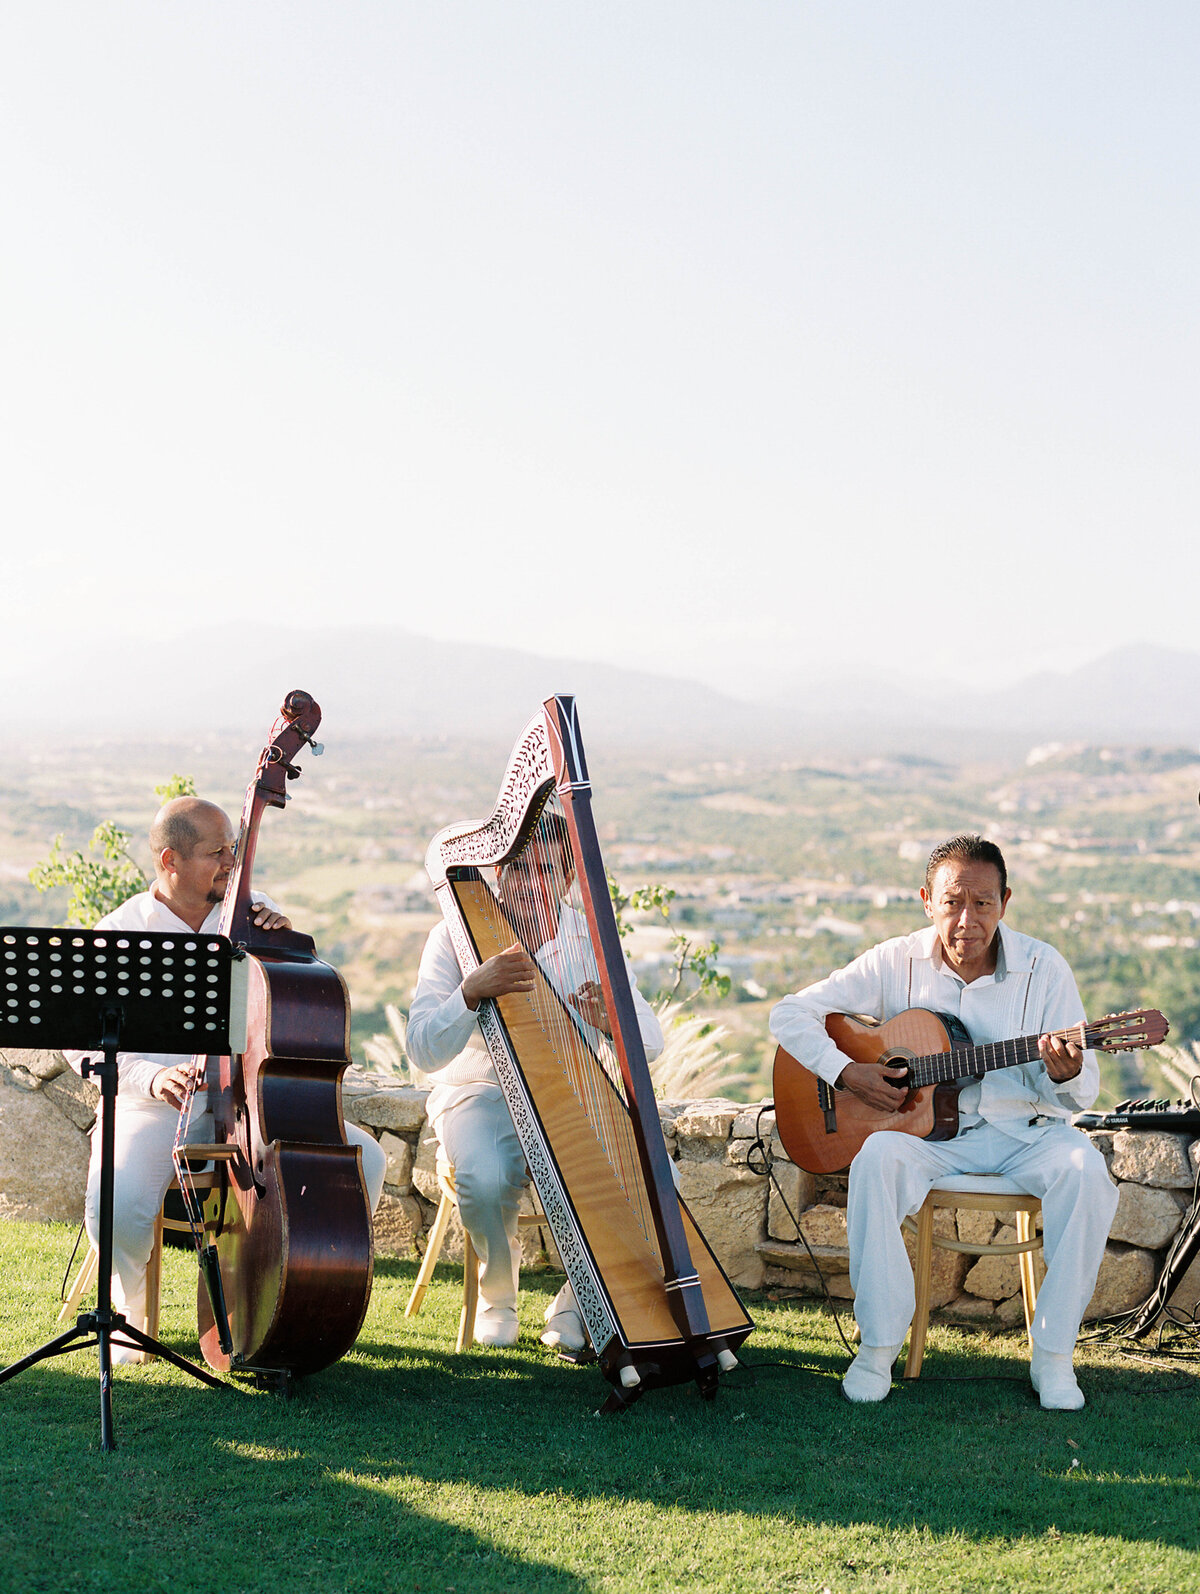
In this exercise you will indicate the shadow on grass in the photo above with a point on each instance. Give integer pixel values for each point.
(966, 1449)
(238, 1490)
(459, 1470)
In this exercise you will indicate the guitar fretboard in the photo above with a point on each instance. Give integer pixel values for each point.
(975, 1061)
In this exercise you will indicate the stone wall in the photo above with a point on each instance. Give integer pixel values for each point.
(45, 1111)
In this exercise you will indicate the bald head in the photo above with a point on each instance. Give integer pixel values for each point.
(182, 824)
(194, 847)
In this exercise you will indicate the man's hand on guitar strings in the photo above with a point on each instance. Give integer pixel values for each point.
(876, 1085)
(1063, 1058)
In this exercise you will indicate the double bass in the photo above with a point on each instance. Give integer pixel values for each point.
(285, 1240)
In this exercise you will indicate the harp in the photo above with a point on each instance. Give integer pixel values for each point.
(571, 1062)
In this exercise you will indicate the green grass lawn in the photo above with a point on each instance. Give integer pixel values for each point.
(407, 1467)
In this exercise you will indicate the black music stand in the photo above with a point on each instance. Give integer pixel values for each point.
(140, 991)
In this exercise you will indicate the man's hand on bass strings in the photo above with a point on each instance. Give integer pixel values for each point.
(171, 1084)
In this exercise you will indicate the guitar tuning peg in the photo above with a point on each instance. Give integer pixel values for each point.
(318, 748)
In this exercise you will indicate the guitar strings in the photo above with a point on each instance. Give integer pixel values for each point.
(932, 1068)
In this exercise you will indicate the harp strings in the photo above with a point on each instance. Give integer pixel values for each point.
(540, 891)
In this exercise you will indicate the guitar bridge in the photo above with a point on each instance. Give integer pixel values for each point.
(825, 1100)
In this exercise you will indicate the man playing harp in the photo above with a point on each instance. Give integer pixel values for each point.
(467, 1107)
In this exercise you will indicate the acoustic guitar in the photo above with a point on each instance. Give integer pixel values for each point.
(822, 1127)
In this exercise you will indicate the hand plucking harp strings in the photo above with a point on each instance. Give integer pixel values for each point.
(513, 970)
(500, 975)
(588, 1002)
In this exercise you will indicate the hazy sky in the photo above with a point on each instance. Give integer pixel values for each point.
(750, 341)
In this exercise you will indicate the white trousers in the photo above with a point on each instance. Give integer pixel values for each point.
(144, 1133)
(478, 1137)
(893, 1173)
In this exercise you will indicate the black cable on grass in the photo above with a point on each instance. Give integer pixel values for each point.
(764, 1167)
(1178, 1335)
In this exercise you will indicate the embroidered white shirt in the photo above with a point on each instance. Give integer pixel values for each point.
(1032, 991)
(136, 1072)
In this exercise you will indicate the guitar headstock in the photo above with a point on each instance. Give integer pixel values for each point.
(1128, 1032)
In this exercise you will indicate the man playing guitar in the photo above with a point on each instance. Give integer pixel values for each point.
(1013, 1121)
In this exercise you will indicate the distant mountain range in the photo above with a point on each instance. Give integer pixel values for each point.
(382, 681)
(1140, 694)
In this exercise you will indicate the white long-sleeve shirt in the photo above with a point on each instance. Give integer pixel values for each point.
(1031, 991)
(444, 1037)
(137, 1071)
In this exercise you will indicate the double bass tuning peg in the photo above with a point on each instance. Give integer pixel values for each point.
(294, 705)
(317, 747)
(275, 756)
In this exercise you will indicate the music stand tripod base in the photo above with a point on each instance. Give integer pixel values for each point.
(145, 991)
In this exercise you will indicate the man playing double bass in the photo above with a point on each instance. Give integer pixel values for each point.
(1012, 1122)
(193, 846)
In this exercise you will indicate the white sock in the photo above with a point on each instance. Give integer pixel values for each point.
(869, 1376)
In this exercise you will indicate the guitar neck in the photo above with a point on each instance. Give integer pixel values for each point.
(940, 1068)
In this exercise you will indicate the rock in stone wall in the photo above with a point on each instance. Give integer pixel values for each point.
(1145, 1216)
(1152, 1158)
(44, 1151)
(947, 1267)
(730, 1206)
(1127, 1275)
(1185, 1298)
(398, 1221)
(996, 1278)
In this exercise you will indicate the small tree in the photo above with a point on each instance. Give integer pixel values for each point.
(101, 883)
(687, 956)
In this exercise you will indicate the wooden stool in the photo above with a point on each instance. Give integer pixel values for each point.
(973, 1193)
(85, 1279)
(437, 1236)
